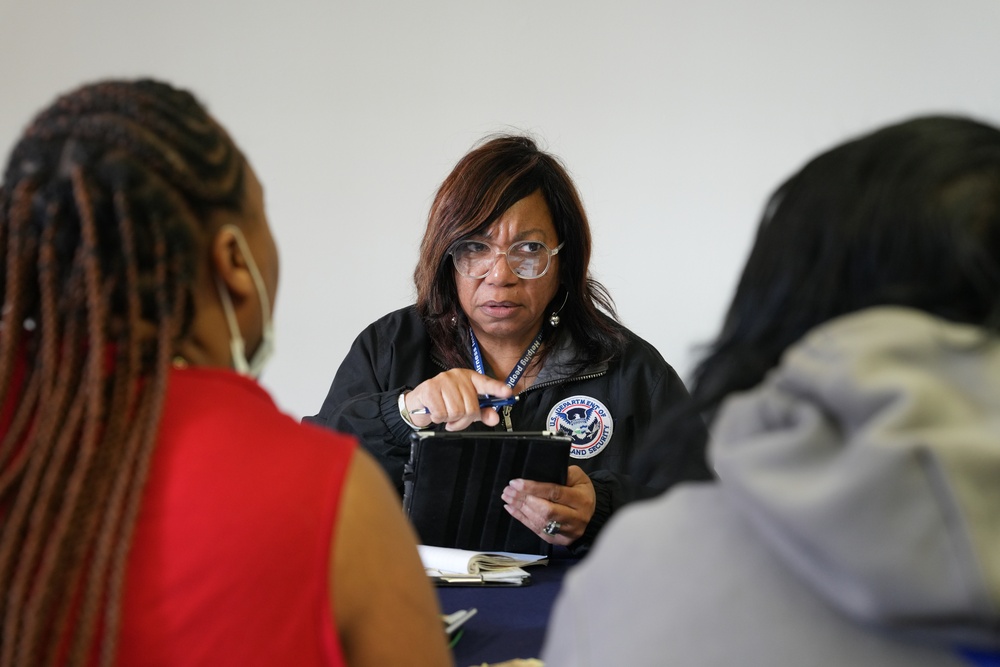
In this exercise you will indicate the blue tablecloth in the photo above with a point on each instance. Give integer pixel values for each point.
(510, 622)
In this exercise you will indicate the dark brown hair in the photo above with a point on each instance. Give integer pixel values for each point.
(483, 185)
(907, 215)
(102, 215)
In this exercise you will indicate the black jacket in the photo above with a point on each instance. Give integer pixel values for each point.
(632, 395)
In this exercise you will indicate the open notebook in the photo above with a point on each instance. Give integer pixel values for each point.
(460, 567)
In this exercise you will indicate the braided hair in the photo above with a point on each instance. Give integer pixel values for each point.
(103, 214)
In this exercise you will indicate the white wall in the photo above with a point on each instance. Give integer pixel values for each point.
(675, 117)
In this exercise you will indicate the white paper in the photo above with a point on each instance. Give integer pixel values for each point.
(462, 561)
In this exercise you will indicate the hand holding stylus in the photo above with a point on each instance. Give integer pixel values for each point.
(456, 398)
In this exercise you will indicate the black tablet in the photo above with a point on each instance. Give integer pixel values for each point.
(453, 481)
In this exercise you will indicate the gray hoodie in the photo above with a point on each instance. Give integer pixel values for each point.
(856, 520)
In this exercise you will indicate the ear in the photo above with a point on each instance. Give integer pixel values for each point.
(229, 263)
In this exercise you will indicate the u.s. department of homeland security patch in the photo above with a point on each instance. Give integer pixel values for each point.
(584, 419)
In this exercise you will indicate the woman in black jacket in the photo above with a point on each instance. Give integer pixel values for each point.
(531, 323)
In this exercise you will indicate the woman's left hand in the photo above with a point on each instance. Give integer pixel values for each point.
(536, 504)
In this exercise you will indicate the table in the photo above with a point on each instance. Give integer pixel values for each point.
(510, 621)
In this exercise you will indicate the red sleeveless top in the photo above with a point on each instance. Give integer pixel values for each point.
(230, 557)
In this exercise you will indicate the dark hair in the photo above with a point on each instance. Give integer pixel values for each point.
(103, 210)
(908, 215)
(483, 185)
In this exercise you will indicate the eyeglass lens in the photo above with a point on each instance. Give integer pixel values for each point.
(527, 259)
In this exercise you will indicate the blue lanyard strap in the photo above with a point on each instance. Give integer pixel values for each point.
(522, 365)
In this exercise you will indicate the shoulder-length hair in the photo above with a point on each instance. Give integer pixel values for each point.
(483, 185)
(908, 215)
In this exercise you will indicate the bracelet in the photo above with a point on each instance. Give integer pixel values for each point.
(405, 414)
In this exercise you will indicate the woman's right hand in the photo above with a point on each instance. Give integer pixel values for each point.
(453, 399)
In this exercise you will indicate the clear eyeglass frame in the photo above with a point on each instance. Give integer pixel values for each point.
(547, 254)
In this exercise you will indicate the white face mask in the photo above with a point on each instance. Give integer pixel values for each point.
(253, 367)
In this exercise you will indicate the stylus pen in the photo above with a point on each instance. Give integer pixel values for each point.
(484, 402)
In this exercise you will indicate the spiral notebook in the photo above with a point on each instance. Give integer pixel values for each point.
(453, 481)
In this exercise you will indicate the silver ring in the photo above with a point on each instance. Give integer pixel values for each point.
(552, 528)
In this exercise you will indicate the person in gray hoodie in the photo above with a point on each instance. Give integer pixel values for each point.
(854, 397)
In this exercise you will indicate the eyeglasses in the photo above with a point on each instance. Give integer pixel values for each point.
(527, 259)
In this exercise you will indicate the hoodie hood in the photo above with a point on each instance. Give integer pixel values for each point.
(869, 461)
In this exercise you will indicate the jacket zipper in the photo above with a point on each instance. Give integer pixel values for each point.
(506, 418)
(506, 421)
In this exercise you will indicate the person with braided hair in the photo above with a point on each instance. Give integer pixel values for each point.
(155, 506)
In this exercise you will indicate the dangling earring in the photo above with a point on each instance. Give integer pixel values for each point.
(554, 317)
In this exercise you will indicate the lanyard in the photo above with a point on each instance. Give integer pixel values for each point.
(515, 375)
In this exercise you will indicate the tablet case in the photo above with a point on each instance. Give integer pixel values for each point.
(453, 481)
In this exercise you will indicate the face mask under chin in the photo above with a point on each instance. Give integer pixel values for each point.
(254, 366)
